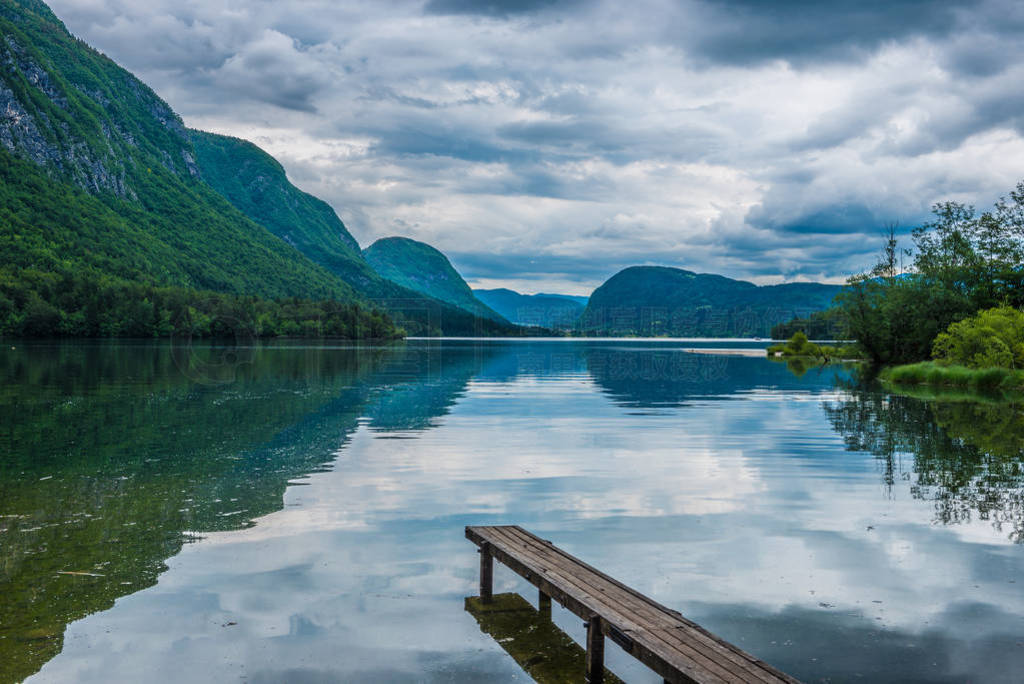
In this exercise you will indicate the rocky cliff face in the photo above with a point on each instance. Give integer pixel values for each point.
(80, 120)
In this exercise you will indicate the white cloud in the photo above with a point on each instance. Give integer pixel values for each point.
(559, 145)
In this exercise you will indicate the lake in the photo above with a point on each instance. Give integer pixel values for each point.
(295, 512)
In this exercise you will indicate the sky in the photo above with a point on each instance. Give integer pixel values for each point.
(543, 145)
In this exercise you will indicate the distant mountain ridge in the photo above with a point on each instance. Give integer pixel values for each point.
(579, 299)
(560, 312)
(256, 184)
(658, 300)
(420, 267)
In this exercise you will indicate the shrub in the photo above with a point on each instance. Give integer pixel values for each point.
(798, 345)
(990, 339)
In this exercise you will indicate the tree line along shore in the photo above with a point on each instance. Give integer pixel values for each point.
(952, 318)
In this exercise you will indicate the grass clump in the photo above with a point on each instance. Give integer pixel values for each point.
(939, 375)
(982, 353)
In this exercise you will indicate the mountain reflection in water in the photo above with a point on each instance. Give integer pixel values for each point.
(831, 528)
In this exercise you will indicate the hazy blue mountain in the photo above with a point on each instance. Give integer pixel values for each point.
(420, 267)
(656, 300)
(544, 310)
(579, 299)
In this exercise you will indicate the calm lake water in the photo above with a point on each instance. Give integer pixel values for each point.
(295, 513)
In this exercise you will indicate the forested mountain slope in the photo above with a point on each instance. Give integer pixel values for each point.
(656, 300)
(420, 267)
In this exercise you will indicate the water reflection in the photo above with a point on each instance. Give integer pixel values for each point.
(964, 455)
(113, 456)
(545, 652)
(779, 525)
(650, 376)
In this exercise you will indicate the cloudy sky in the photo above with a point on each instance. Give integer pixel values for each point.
(545, 144)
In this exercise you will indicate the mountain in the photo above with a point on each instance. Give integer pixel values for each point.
(544, 310)
(119, 221)
(102, 197)
(579, 299)
(656, 300)
(420, 267)
(256, 184)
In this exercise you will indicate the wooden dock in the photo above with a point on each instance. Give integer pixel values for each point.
(674, 647)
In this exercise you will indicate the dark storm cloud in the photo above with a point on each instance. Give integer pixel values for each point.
(546, 141)
(808, 31)
(491, 8)
(838, 218)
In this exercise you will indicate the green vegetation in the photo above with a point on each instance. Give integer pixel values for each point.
(421, 268)
(799, 346)
(189, 238)
(47, 304)
(73, 267)
(991, 339)
(963, 263)
(255, 183)
(115, 220)
(964, 456)
(981, 353)
(942, 375)
(659, 301)
(105, 227)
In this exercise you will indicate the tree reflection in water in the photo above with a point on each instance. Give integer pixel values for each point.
(963, 453)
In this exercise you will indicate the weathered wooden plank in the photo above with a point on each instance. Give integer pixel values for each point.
(696, 668)
(677, 627)
(696, 662)
(674, 647)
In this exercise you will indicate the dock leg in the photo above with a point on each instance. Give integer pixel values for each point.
(486, 573)
(544, 604)
(595, 651)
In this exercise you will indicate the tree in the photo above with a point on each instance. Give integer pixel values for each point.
(963, 263)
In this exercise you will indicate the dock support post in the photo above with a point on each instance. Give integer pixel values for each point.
(544, 604)
(595, 651)
(486, 573)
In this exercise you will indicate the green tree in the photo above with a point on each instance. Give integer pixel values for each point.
(962, 263)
